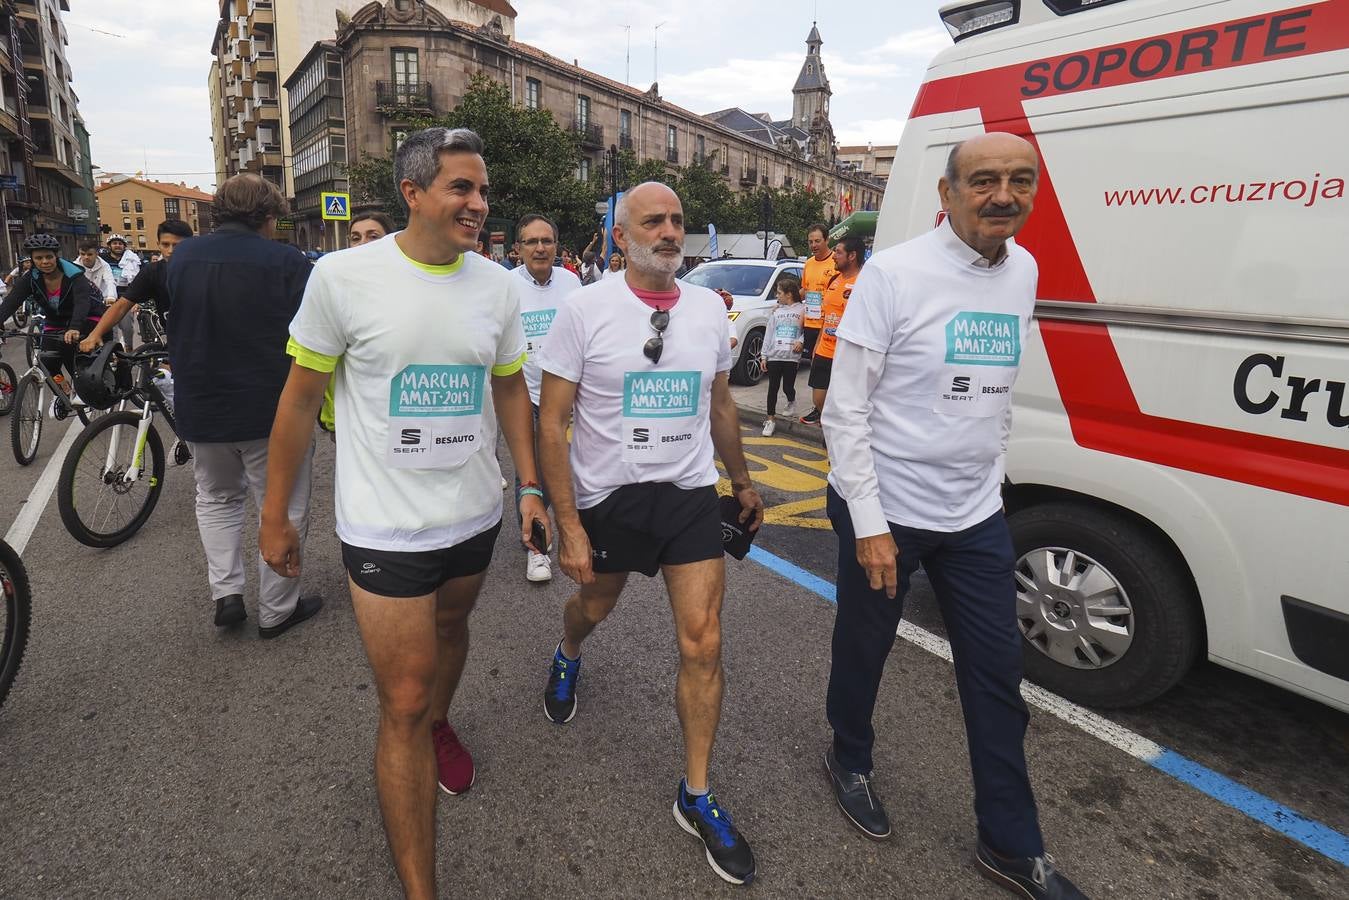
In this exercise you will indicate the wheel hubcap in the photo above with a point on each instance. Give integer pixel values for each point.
(1072, 609)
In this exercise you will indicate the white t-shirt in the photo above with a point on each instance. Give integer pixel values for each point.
(953, 331)
(416, 431)
(636, 421)
(538, 308)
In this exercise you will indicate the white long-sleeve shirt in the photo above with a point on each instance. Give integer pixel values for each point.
(919, 402)
(100, 275)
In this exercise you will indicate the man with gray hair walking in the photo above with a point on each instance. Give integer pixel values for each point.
(917, 423)
(642, 360)
(420, 381)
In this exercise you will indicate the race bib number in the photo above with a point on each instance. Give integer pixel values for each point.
(785, 336)
(814, 303)
(435, 416)
(978, 393)
(984, 339)
(537, 323)
(660, 415)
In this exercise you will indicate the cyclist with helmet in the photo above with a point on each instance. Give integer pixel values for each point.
(69, 301)
(125, 266)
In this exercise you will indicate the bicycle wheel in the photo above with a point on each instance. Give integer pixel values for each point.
(99, 507)
(18, 612)
(25, 420)
(8, 384)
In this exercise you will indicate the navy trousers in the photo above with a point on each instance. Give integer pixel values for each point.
(971, 574)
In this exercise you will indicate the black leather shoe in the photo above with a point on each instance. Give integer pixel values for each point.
(857, 799)
(1034, 877)
(304, 609)
(230, 610)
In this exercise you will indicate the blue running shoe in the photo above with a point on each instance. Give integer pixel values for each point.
(728, 853)
(559, 698)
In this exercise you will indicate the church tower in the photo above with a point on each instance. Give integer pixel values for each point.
(810, 102)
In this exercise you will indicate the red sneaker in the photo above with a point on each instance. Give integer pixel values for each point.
(453, 764)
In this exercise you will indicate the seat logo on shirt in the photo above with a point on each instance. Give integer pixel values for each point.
(960, 384)
(984, 339)
(411, 436)
(641, 435)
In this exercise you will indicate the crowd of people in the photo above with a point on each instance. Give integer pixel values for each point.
(610, 387)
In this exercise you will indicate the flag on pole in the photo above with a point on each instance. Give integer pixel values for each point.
(712, 242)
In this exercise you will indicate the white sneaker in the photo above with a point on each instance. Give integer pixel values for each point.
(538, 567)
(769, 426)
(789, 411)
(505, 484)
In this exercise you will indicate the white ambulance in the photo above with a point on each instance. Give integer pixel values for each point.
(1178, 472)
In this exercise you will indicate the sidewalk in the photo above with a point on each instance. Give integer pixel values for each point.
(753, 405)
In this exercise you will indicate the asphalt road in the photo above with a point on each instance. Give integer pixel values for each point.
(145, 753)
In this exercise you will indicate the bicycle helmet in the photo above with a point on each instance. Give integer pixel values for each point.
(101, 380)
(42, 242)
(116, 237)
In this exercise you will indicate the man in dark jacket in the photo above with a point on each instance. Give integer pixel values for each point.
(234, 293)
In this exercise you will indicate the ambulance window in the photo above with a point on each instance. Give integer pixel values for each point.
(1068, 7)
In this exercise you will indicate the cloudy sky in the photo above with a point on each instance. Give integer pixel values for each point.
(141, 75)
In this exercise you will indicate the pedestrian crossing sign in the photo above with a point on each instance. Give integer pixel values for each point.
(336, 207)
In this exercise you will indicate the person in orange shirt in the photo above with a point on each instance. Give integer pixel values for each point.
(849, 256)
(815, 278)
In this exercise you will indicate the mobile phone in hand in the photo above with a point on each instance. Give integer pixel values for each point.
(539, 536)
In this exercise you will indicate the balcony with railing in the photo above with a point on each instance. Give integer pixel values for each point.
(591, 134)
(410, 96)
(625, 142)
(749, 176)
(672, 154)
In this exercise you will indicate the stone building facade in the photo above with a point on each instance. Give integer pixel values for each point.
(135, 208)
(402, 63)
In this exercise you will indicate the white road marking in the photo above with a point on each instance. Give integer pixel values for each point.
(26, 521)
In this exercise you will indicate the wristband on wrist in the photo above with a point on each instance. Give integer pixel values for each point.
(528, 490)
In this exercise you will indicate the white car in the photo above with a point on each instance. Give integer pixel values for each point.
(752, 283)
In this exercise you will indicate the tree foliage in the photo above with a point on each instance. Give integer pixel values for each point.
(532, 163)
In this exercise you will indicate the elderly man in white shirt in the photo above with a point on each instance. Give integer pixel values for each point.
(916, 420)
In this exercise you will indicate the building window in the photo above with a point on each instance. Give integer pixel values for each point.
(126, 223)
(671, 137)
(405, 66)
(533, 91)
(701, 144)
(126, 206)
(171, 208)
(140, 224)
(583, 169)
(582, 111)
(625, 123)
(140, 207)
(140, 241)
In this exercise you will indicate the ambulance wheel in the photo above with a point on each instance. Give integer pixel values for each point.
(1107, 611)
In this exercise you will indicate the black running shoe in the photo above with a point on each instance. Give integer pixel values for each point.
(811, 418)
(559, 698)
(728, 853)
(1034, 877)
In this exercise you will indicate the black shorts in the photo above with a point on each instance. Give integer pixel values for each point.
(820, 367)
(390, 573)
(641, 527)
(812, 335)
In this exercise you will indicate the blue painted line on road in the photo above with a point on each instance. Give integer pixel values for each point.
(1309, 833)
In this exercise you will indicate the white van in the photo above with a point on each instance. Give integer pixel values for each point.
(1178, 472)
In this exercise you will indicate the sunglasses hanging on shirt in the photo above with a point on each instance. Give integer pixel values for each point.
(660, 320)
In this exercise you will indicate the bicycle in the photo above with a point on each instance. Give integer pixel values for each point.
(112, 477)
(7, 386)
(25, 423)
(18, 612)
